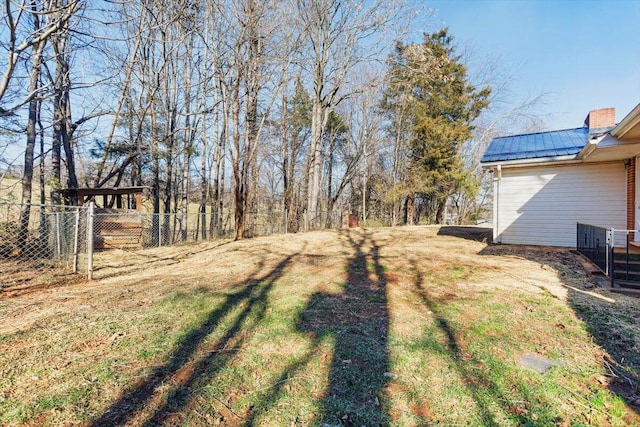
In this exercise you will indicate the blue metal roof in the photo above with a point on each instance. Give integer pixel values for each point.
(534, 145)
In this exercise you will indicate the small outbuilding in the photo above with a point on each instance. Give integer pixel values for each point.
(129, 198)
(118, 220)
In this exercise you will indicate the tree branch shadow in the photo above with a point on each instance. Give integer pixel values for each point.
(271, 398)
(183, 372)
(477, 383)
(474, 233)
(609, 318)
(148, 258)
(357, 319)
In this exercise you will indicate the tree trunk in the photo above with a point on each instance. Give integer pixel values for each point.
(203, 177)
(330, 199)
(320, 116)
(251, 140)
(315, 155)
(239, 170)
(202, 208)
(168, 188)
(185, 185)
(217, 202)
(364, 197)
(155, 173)
(44, 225)
(286, 190)
(188, 140)
(440, 210)
(62, 108)
(409, 210)
(34, 108)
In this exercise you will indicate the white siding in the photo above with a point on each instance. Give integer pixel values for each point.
(541, 205)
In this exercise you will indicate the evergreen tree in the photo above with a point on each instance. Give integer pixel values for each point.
(296, 129)
(431, 105)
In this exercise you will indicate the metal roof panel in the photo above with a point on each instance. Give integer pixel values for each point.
(535, 145)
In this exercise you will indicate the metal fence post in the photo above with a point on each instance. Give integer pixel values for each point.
(90, 213)
(58, 243)
(608, 256)
(611, 255)
(76, 237)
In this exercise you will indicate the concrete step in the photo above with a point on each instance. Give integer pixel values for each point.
(622, 256)
(634, 292)
(626, 284)
(631, 277)
(619, 266)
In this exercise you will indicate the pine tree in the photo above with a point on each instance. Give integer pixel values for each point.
(431, 105)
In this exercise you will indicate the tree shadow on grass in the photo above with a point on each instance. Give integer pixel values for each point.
(611, 319)
(484, 391)
(185, 365)
(614, 328)
(477, 234)
(270, 398)
(357, 320)
(147, 259)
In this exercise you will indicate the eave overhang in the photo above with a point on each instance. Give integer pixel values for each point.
(538, 161)
(629, 128)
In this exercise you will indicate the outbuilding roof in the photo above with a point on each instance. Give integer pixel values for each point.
(535, 145)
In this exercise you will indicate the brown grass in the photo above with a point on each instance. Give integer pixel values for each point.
(444, 313)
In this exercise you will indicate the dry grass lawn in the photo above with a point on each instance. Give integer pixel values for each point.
(399, 326)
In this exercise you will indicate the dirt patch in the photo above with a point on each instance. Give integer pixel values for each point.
(26, 275)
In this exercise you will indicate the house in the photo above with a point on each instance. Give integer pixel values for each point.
(547, 182)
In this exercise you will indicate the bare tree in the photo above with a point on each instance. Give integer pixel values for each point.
(34, 108)
(250, 58)
(336, 32)
(61, 105)
(13, 14)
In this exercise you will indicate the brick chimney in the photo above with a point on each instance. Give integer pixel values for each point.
(602, 118)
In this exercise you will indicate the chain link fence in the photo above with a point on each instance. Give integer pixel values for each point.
(39, 237)
(136, 230)
(45, 236)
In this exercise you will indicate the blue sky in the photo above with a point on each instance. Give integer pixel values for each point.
(583, 54)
